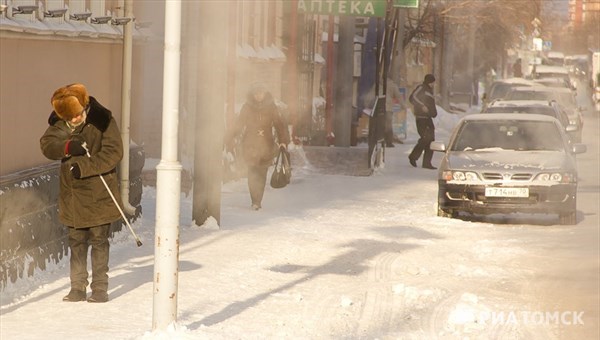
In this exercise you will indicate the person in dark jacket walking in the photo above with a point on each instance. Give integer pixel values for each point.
(257, 119)
(78, 124)
(517, 69)
(424, 110)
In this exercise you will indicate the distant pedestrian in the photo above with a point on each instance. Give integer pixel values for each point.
(77, 124)
(424, 109)
(255, 124)
(517, 69)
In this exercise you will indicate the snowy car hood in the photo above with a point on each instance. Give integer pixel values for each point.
(506, 160)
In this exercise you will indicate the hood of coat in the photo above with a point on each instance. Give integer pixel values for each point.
(98, 115)
(266, 102)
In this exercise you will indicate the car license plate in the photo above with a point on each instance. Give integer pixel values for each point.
(506, 192)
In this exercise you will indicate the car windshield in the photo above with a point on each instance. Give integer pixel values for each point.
(553, 82)
(499, 90)
(508, 135)
(552, 75)
(565, 99)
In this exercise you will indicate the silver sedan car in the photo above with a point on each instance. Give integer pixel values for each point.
(506, 163)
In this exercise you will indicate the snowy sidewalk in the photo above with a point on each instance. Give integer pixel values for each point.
(327, 257)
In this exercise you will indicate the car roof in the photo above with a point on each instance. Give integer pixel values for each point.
(515, 81)
(542, 89)
(509, 116)
(501, 103)
(555, 54)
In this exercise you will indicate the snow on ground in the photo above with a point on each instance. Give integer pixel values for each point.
(328, 256)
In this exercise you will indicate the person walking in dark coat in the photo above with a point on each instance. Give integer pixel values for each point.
(424, 109)
(517, 69)
(257, 119)
(77, 124)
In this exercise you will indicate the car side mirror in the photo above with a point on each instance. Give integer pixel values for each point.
(579, 148)
(438, 146)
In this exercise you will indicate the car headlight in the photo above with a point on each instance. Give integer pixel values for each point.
(459, 176)
(573, 121)
(556, 177)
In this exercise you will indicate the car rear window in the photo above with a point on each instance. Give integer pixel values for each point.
(543, 110)
(529, 95)
(508, 135)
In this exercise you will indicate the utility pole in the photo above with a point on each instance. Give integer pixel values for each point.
(344, 81)
(231, 62)
(292, 62)
(210, 111)
(330, 81)
(447, 62)
(168, 180)
(398, 59)
(471, 58)
(126, 106)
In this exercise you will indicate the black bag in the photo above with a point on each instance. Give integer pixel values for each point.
(283, 171)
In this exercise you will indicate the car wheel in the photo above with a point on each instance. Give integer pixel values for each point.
(569, 218)
(446, 213)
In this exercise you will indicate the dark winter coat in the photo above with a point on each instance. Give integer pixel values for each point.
(85, 202)
(423, 96)
(517, 70)
(255, 125)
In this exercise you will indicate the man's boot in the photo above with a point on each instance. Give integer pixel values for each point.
(78, 247)
(100, 249)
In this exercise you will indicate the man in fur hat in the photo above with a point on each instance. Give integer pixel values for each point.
(78, 124)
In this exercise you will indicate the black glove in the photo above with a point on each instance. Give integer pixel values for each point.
(74, 148)
(75, 171)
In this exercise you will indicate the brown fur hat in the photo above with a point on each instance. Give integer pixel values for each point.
(68, 101)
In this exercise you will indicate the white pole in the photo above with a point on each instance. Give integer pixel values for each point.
(168, 182)
(126, 106)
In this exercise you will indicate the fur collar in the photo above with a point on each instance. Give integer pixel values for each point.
(98, 116)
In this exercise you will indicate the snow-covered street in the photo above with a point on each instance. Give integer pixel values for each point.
(334, 256)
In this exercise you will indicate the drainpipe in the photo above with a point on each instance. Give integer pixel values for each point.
(126, 107)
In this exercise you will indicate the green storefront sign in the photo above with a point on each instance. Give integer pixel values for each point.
(406, 3)
(360, 8)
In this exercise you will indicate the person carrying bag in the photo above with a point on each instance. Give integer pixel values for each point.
(282, 174)
(258, 118)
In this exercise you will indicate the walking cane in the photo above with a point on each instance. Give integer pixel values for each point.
(137, 239)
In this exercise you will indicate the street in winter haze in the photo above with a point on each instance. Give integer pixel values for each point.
(335, 256)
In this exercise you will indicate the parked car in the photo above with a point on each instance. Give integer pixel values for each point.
(551, 71)
(507, 163)
(548, 108)
(555, 58)
(565, 97)
(555, 82)
(500, 88)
